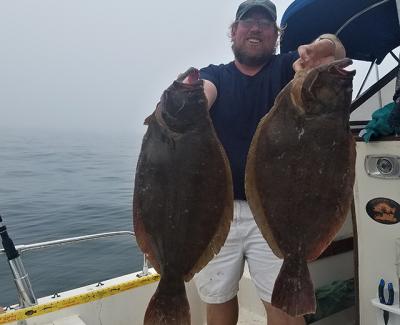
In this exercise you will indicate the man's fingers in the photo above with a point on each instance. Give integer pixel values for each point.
(298, 65)
(304, 52)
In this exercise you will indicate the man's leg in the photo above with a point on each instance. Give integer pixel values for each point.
(223, 314)
(218, 282)
(264, 267)
(275, 316)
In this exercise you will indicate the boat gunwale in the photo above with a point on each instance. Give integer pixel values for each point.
(95, 293)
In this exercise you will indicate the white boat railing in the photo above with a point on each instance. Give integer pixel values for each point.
(71, 240)
(24, 288)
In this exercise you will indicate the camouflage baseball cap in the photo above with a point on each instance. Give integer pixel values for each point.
(244, 7)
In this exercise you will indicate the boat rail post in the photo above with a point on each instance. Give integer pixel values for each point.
(25, 292)
(145, 268)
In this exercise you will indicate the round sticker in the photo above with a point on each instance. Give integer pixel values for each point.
(384, 210)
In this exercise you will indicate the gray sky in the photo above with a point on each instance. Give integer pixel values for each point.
(101, 64)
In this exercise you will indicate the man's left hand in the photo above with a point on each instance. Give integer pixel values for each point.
(324, 49)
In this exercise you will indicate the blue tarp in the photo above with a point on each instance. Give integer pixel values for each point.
(370, 36)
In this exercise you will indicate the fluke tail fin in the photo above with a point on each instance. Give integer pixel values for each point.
(169, 304)
(294, 291)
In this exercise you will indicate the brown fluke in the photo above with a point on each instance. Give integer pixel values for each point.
(183, 197)
(300, 176)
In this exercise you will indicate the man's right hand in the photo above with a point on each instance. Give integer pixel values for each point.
(209, 90)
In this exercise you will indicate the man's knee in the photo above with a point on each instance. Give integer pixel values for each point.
(223, 314)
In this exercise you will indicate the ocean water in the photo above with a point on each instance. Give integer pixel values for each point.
(56, 185)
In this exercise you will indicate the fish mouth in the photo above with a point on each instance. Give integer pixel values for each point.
(187, 88)
(338, 68)
(191, 77)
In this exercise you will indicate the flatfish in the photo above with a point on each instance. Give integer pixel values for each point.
(183, 196)
(300, 176)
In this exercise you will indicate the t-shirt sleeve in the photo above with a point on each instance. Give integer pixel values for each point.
(211, 73)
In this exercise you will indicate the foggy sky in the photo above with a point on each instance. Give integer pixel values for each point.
(101, 64)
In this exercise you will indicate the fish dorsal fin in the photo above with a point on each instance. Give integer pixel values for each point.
(142, 238)
(253, 196)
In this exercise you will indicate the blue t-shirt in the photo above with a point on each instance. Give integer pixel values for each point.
(240, 104)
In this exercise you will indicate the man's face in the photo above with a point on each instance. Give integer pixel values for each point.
(254, 38)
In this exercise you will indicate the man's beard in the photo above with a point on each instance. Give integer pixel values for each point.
(251, 60)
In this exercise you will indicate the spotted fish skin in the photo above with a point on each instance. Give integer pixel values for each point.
(183, 196)
(300, 175)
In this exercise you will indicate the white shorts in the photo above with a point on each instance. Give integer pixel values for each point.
(218, 282)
